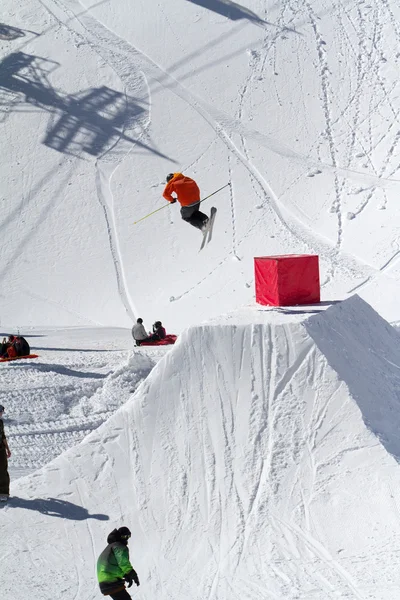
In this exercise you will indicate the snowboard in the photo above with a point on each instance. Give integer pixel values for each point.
(207, 233)
(19, 357)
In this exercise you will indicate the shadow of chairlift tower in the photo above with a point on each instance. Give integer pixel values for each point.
(8, 33)
(87, 122)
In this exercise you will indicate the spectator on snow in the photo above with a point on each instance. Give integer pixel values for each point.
(16, 346)
(4, 456)
(159, 332)
(114, 567)
(138, 332)
(3, 348)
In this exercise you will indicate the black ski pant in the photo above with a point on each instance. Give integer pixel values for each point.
(4, 476)
(122, 595)
(192, 215)
(3, 349)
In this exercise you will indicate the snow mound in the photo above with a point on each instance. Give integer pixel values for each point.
(271, 471)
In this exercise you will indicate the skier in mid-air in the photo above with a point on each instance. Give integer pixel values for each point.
(188, 195)
(114, 567)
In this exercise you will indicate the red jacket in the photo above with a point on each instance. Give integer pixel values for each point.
(185, 188)
(11, 352)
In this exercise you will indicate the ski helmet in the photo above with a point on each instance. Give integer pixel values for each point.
(169, 177)
(1, 408)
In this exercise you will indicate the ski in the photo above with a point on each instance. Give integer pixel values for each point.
(211, 227)
(207, 233)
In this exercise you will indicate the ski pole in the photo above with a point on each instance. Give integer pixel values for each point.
(216, 192)
(165, 206)
(149, 215)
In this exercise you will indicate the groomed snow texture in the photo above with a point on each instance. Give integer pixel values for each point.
(256, 461)
(258, 458)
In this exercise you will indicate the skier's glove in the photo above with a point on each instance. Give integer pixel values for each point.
(173, 200)
(132, 577)
(129, 579)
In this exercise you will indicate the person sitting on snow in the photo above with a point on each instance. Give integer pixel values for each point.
(3, 348)
(188, 195)
(159, 332)
(139, 333)
(14, 347)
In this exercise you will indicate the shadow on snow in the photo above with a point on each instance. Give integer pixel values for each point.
(87, 122)
(54, 507)
(9, 33)
(235, 12)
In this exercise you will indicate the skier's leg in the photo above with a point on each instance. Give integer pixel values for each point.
(192, 215)
(201, 217)
(122, 595)
(4, 476)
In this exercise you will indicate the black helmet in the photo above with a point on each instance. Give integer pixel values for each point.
(158, 324)
(1, 408)
(139, 320)
(169, 177)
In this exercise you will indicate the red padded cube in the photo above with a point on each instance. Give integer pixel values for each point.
(287, 280)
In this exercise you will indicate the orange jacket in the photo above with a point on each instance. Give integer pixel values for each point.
(185, 188)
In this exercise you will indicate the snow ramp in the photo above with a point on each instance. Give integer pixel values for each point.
(258, 460)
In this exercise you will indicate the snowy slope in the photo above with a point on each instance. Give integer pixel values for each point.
(296, 103)
(82, 376)
(258, 460)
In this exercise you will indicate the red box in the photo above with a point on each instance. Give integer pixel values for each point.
(287, 280)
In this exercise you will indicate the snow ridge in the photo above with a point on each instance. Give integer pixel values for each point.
(270, 465)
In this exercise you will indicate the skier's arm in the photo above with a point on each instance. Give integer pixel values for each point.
(122, 556)
(169, 188)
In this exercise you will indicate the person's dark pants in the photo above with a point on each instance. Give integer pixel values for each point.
(192, 215)
(122, 595)
(3, 349)
(4, 476)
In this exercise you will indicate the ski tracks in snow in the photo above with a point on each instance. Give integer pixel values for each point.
(76, 20)
(113, 48)
(282, 437)
(68, 403)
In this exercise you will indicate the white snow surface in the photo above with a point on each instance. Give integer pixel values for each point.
(54, 401)
(257, 460)
(258, 457)
(295, 102)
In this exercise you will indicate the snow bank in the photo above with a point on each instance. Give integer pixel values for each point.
(256, 461)
(82, 376)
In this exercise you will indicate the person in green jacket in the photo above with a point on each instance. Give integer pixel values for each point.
(114, 567)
